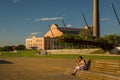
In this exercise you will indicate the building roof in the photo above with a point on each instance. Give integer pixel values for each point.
(69, 30)
(56, 31)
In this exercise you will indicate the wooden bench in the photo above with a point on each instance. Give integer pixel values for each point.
(101, 70)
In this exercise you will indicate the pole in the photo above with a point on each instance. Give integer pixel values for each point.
(115, 14)
(63, 23)
(84, 19)
(52, 36)
(96, 24)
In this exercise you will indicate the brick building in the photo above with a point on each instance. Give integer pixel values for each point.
(49, 39)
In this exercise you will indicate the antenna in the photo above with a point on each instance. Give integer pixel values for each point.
(84, 19)
(51, 31)
(115, 14)
(90, 33)
(52, 36)
(64, 23)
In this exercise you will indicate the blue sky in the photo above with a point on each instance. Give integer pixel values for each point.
(20, 19)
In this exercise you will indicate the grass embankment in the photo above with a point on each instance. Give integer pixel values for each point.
(32, 53)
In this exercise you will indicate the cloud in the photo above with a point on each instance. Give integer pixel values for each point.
(35, 33)
(16, 1)
(68, 25)
(105, 19)
(48, 19)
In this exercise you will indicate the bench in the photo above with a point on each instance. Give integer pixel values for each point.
(101, 70)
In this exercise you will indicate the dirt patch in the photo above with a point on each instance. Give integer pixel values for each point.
(36, 69)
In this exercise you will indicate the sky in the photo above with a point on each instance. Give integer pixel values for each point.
(20, 19)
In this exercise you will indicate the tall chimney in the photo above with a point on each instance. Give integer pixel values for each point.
(96, 24)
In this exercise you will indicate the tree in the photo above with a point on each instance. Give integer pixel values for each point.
(20, 47)
(7, 48)
(112, 39)
(63, 44)
(101, 40)
(85, 34)
(0, 48)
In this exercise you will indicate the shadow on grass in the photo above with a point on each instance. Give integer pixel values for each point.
(5, 62)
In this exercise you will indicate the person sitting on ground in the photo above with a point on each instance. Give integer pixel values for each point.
(81, 64)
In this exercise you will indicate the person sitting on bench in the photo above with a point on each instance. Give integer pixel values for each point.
(81, 64)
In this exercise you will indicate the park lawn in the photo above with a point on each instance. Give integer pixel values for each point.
(32, 53)
(26, 53)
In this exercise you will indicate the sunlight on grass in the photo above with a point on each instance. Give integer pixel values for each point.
(32, 53)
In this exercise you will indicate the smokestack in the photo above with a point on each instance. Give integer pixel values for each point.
(96, 24)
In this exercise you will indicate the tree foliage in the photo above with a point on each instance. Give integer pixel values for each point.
(63, 44)
(85, 34)
(111, 39)
(12, 48)
(7, 48)
(20, 47)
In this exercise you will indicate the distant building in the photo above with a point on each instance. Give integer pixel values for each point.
(56, 31)
(49, 39)
(34, 42)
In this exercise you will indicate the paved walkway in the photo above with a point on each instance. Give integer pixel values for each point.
(35, 69)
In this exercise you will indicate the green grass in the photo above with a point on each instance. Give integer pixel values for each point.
(18, 54)
(67, 56)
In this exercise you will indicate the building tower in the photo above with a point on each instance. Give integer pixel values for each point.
(96, 24)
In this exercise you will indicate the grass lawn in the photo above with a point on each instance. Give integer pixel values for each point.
(68, 56)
